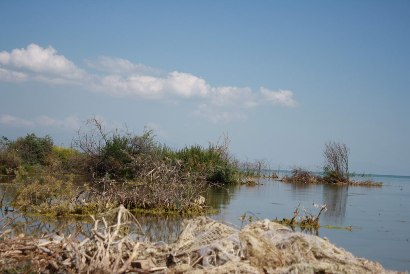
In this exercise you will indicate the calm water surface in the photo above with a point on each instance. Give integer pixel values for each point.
(379, 217)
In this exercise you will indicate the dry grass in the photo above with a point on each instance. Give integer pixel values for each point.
(300, 176)
(117, 245)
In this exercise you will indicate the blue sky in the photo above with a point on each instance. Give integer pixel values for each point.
(280, 78)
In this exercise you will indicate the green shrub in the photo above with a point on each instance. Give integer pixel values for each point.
(67, 160)
(32, 149)
(114, 154)
(213, 163)
(9, 160)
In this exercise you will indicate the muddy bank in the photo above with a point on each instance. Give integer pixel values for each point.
(205, 246)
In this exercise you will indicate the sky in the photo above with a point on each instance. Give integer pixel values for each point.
(279, 78)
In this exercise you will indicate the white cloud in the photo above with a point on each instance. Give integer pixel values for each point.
(233, 96)
(43, 64)
(121, 77)
(11, 76)
(187, 85)
(10, 120)
(281, 97)
(178, 84)
(68, 123)
(121, 66)
(228, 104)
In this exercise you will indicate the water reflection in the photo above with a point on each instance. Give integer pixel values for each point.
(154, 228)
(40, 225)
(299, 191)
(7, 192)
(219, 197)
(335, 198)
(161, 228)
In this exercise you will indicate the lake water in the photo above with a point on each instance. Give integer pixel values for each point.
(379, 216)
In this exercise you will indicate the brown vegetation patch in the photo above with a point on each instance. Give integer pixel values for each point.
(301, 176)
(205, 246)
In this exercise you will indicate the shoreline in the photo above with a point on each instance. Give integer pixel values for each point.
(203, 246)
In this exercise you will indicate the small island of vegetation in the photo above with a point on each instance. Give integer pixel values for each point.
(104, 169)
(335, 171)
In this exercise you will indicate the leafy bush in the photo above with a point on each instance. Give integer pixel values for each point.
(66, 160)
(212, 162)
(123, 156)
(9, 160)
(32, 149)
(113, 153)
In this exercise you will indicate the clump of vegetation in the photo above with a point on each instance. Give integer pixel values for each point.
(123, 156)
(301, 176)
(142, 174)
(254, 169)
(164, 188)
(257, 169)
(308, 222)
(160, 191)
(66, 160)
(33, 150)
(38, 155)
(122, 168)
(49, 194)
(336, 169)
(9, 159)
(249, 182)
(214, 162)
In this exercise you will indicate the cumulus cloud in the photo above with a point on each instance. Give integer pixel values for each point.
(42, 64)
(68, 123)
(11, 76)
(281, 97)
(121, 77)
(233, 96)
(178, 84)
(120, 66)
